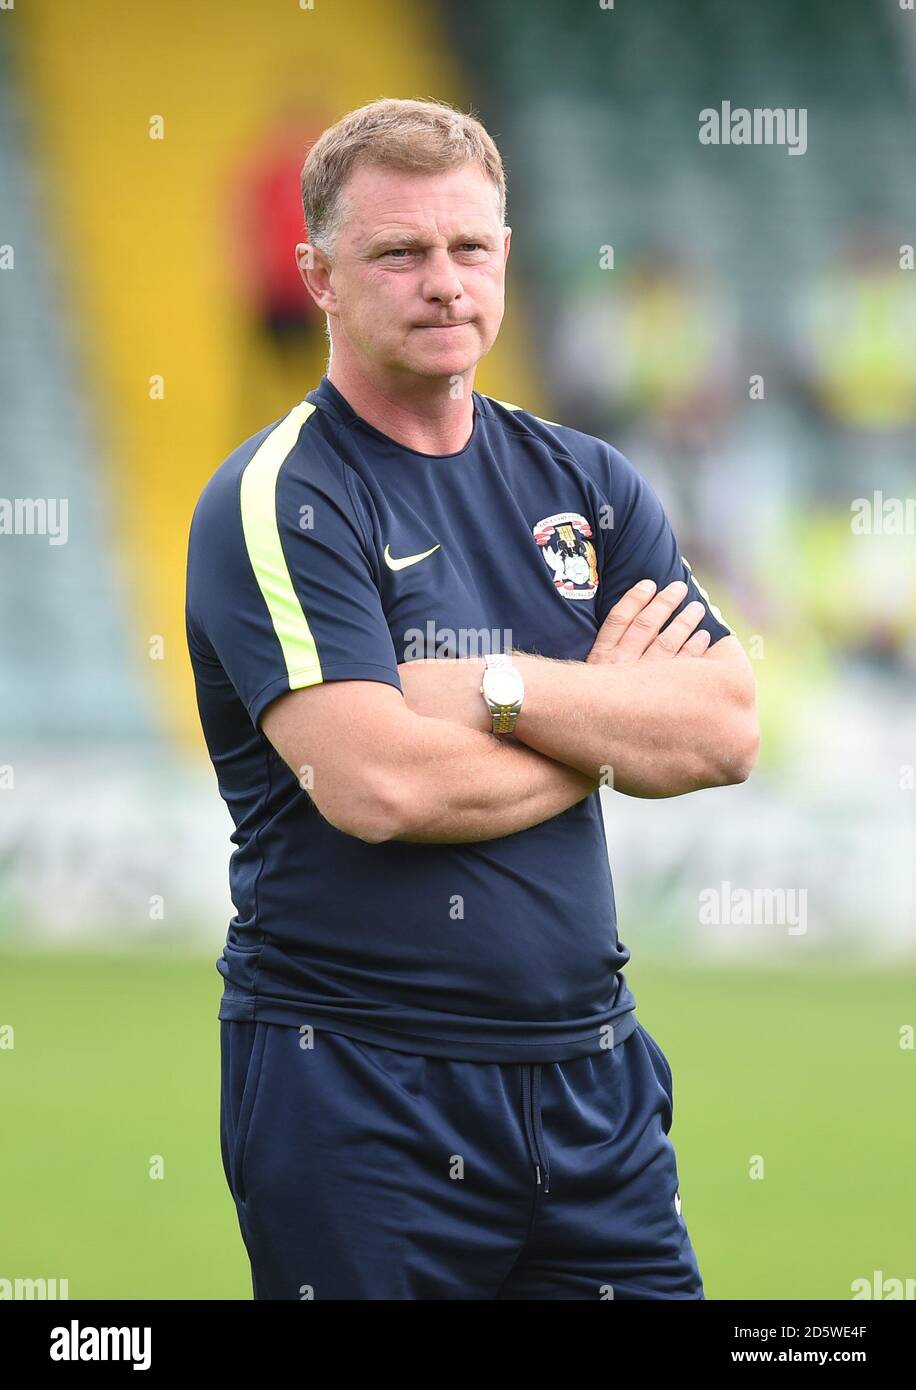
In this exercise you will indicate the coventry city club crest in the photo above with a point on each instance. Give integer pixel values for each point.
(565, 542)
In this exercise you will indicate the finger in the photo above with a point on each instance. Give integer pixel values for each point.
(646, 625)
(673, 641)
(697, 644)
(669, 642)
(623, 613)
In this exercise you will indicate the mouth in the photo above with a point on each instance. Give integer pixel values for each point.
(441, 327)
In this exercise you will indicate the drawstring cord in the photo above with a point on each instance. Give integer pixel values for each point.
(531, 1115)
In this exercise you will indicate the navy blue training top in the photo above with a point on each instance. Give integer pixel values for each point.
(297, 575)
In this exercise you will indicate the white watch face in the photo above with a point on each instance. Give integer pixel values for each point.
(503, 687)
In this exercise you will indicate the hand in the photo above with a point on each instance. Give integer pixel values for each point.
(631, 630)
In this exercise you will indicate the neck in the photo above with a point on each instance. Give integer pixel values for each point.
(423, 416)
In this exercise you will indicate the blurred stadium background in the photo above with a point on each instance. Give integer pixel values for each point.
(149, 159)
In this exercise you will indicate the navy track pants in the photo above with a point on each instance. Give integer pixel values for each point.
(360, 1172)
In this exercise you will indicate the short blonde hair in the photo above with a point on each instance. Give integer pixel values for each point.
(415, 136)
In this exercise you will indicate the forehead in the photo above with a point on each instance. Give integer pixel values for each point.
(380, 199)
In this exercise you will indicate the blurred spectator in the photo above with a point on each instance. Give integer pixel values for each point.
(854, 328)
(646, 358)
(267, 223)
(652, 343)
(856, 337)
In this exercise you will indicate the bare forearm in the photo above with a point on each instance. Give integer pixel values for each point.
(650, 728)
(465, 785)
(378, 770)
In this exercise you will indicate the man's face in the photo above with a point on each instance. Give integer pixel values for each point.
(417, 281)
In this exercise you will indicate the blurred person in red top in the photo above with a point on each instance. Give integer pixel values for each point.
(267, 225)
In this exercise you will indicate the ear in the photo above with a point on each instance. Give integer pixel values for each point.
(315, 272)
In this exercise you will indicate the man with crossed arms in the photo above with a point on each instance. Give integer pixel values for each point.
(434, 1083)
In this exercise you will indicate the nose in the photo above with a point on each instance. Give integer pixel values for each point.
(441, 283)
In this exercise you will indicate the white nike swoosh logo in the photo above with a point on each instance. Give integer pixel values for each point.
(408, 559)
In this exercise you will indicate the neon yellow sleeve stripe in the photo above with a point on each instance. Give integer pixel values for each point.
(510, 406)
(265, 551)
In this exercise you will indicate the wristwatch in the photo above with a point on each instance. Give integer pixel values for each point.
(503, 690)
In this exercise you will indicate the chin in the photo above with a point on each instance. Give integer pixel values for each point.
(443, 364)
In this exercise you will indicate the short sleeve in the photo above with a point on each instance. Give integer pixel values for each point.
(640, 544)
(281, 582)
